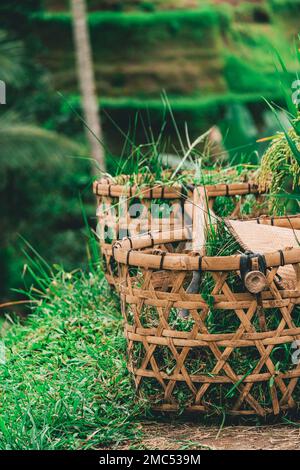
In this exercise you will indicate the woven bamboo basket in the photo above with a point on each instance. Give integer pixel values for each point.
(115, 216)
(202, 364)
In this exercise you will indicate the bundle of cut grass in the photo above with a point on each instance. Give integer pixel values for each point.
(199, 175)
(234, 353)
(280, 172)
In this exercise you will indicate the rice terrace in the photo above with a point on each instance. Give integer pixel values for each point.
(150, 249)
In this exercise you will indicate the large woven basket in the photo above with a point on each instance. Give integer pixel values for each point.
(234, 353)
(115, 202)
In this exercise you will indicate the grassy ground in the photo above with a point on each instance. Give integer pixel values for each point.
(64, 384)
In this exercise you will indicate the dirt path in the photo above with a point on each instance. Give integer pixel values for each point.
(194, 436)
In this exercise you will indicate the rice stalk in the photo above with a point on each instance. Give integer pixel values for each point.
(280, 170)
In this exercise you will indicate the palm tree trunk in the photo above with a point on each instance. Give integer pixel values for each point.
(85, 72)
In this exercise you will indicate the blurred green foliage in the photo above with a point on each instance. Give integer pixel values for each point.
(215, 62)
(285, 6)
(42, 204)
(205, 17)
(41, 174)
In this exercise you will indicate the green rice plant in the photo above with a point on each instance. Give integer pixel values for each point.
(280, 164)
(280, 171)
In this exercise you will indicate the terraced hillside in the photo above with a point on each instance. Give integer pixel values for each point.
(206, 58)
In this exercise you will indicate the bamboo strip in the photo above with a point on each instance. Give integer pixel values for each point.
(172, 192)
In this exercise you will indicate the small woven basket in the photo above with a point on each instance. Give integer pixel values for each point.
(116, 201)
(235, 351)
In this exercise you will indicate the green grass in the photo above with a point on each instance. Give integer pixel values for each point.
(65, 384)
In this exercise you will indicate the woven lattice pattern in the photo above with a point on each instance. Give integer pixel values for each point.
(227, 354)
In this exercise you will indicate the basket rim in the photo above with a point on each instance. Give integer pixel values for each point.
(287, 221)
(106, 187)
(127, 252)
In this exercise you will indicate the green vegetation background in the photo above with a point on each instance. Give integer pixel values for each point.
(214, 61)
